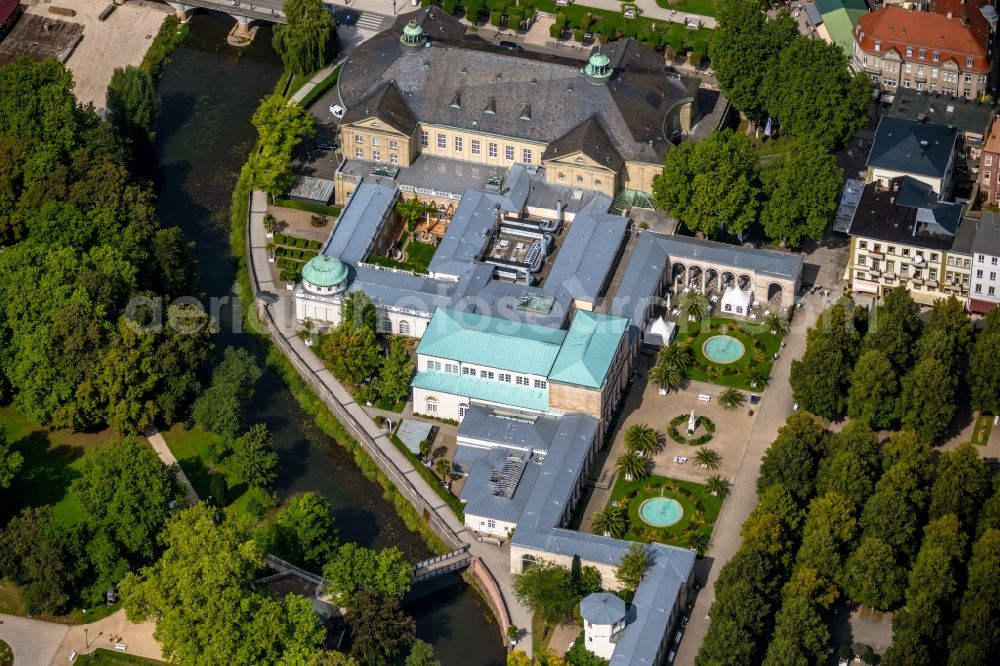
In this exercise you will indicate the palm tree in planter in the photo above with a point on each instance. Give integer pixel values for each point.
(270, 224)
(732, 399)
(443, 467)
(270, 253)
(708, 458)
(776, 323)
(677, 355)
(632, 465)
(693, 304)
(699, 541)
(718, 486)
(759, 377)
(610, 521)
(667, 377)
(642, 439)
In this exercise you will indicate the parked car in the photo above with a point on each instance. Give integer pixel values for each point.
(510, 46)
(337, 111)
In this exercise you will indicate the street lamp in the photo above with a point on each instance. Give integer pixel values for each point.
(86, 637)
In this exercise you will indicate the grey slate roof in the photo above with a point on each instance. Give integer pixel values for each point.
(602, 608)
(477, 493)
(969, 115)
(358, 222)
(966, 237)
(987, 239)
(589, 138)
(773, 263)
(387, 105)
(641, 278)
(588, 252)
(509, 428)
(912, 147)
(883, 215)
(637, 104)
(401, 291)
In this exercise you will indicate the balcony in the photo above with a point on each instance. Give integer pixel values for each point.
(870, 68)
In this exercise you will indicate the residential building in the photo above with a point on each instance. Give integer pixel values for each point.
(838, 20)
(901, 236)
(979, 15)
(421, 89)
(924, 151)
(985, 294)
(920, 50)
(972, 117)
(989, 168)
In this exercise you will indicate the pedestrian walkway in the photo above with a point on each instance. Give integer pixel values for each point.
(167, 456)
(370, 21)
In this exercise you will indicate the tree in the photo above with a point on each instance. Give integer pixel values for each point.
(743, 48)
(221, 409)
(793, 458)
(610, 521)
(199, 593)
(800, 192)
(590, 581)
(10, 460)
(385, 573)
(132, 102)
(280, 126)
(443, 467)
(927, 405)
(822, 377)
(474, 9)
(894, 328)
(976, 636)
(667, 377)
(961, 486)
(253, 459)
(693, 304)
(379, 628)
(309, 40)
(633, 565)
(303, 531)
(125, 490)
(332, 658)
(812, 93)
(353, 353)
(632, 465)
(711, 186)
(874, 391)
(852, 465)
(829, 530)
(546, 589)
(421, 654)
(919, 630)
(397, 370)
(676, 354)
(800, 635)
(717, 485)
(872, 575)
(732, 399)
(358, 311)
(36, 552)
(947, 335)
(984, 373)
(643, 440)
(708, 458)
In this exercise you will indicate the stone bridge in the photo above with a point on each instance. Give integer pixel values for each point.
(244, 11)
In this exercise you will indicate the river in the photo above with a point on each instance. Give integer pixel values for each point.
(208, 92)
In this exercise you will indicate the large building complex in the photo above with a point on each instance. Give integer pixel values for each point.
(899, 48)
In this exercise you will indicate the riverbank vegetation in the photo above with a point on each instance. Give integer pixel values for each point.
(172, 32)
(309, 40)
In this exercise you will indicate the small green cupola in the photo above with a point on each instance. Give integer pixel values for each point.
(413, 37)
(598, 69)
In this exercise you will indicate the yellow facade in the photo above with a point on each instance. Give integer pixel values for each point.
(878, 266)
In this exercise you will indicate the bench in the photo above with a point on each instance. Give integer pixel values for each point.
(72, 656)
(121, 647)
(62, 11)
(107, 11)
(704, 397)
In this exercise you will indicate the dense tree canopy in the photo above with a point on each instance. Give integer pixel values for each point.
(800, 192)
(42, 557)
(793, 457)
(821, 378)
(280, 126)
(222, 407)
(947, 336)
(547, 590)
(874, 390)
(894, 327)
(10, 460)
(132, 102)
(961, 486)
(303, 532)
(984, 366)
(205, 610)
(379, 628)
(355, 568)
(309, 41)
(711, 186)
(812, 93)
(800, 635)
(976, 636)
(927, 404)
(852, 466)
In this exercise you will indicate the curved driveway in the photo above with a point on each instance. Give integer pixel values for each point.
(34, 642)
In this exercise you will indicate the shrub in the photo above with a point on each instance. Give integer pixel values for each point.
(578, 34)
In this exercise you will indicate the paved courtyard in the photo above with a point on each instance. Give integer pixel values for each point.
(121, 40)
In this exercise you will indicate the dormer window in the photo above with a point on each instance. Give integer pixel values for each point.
(909, 51)
(526, 113)
(878, 46)
(923, 53)
(936, 56)
(968, 61)
(491, 107)
(456, 102)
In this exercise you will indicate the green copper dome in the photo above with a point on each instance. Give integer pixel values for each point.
(411, 29)
(598, 66)
(324, 271)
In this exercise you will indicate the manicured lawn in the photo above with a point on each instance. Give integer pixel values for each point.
(52, 459)
(432, 479)
(702, 7)
(760, 347)
(981, 433)
(701, 509)
(104, 657)
(192, 448)
(319, 209)
(421, 253)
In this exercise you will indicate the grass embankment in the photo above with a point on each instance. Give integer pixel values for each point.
(172, 32)
(316, 92)
(432, 480)
(318, 209)
(702, 7)
(303, 394)
(701, 509)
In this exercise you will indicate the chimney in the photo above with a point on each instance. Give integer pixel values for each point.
(949, 16)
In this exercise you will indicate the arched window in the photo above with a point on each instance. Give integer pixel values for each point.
(432, 405)
(404, 327)
(527, 560)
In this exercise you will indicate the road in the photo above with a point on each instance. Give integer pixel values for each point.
(34, 642)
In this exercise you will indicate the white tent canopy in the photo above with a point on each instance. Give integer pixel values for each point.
(736, 300)
(660, 332)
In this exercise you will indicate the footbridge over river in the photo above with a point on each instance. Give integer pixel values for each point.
(244, 11)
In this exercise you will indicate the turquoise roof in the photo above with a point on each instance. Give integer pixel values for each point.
(840, 17)
(324, 271)
(589, 349)
(486, 390)
(491, 342)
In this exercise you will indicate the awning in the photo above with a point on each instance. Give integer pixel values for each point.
(979, 306)
(865, 287)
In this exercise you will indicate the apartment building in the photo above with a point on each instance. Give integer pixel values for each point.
(985, 293)
(898, 48)
(921, 150)
(989, 168)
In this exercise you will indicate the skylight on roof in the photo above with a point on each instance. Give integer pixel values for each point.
(540, 303)
(514, 416)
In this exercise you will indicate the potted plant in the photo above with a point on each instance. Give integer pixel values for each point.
(270, 253)
(270, 224)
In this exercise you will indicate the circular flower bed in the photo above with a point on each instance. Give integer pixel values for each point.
(692, 518)
(681, 438)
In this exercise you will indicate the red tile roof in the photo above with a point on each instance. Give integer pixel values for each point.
(7, 8)
(898, 28)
